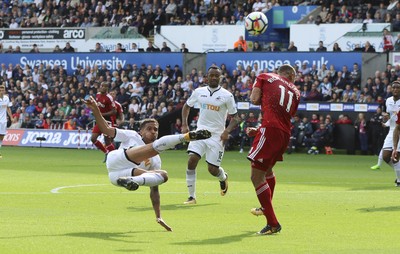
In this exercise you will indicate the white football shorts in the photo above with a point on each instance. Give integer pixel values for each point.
(211, 147)
(3, 128)
(118, 165)
(388, 143)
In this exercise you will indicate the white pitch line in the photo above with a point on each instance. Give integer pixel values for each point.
(56, 190)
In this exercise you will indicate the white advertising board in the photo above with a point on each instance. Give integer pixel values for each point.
(200, 39)
(47, 39)
(331, 33)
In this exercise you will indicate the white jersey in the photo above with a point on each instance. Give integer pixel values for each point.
(130, 138)
(392, 108)
(4, 104)
(214, 108)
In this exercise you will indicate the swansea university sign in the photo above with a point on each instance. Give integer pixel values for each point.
(271, 61)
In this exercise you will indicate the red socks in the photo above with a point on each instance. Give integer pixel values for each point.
(110, 147)
(264, 196)
(271, 180)
(100, 146)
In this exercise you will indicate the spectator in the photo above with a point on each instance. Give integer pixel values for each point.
(361, 127)
(119, 48)
(57, 49)
(336, 47)
(183, 48)
(242, 42)
(165, 47)
(151, 48)
(292, 47)
(314, 94)
(397, 43)
(325, 88)
(35, 49)
(257, 47)
(318, 139)
(273, 48)
(321, 47)
(68, 48)
(98, 48)
(387, 41)
(239, 48)
(368, 48)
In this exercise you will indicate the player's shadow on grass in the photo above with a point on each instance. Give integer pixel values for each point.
(380, 209)
(108, 236)
(171, 207)
(372, 187)
(219, 240)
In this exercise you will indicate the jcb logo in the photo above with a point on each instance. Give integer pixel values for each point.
(74, 34)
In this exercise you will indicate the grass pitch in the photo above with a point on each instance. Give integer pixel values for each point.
(60, 201)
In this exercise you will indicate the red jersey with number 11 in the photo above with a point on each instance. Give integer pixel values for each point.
(279, 100)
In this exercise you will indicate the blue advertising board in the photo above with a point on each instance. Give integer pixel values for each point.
(271, 61)
(70, 61)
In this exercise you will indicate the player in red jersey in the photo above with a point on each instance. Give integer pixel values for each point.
(119, 111)
(279, 99)
(107, 108)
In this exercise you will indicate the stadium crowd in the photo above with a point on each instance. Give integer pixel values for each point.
(147, 15)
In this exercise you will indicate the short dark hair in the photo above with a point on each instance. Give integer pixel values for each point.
(146, 121)
(213, 67)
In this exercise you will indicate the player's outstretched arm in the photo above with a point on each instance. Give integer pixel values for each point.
(235, 120)
(155, 201)
(185, 116)
(101, 122)
(396, 134)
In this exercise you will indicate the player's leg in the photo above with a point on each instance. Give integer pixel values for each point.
(191, 177)
(142, 177)
(141, 153)
(109, 144)
(268, 147)
(380, 160)
(264, 196)
(123, 172)
(195, 150)
(95, 134)
(3, 130)
(214, 156)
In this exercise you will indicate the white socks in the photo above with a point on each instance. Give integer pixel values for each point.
(221, 175)
(396, 167)
(380, 159)
(148, 179)
(168, 142)
(191, 182)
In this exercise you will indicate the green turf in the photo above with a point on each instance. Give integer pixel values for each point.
(326, 204)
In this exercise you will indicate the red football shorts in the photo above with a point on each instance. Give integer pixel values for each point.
(97, 130)
(268, 147)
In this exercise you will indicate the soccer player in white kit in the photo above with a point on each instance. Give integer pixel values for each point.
(4, 110)
(215, 104)
(137, 162)
(392, 109)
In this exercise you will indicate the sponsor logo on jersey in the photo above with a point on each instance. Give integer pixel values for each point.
(210, 107)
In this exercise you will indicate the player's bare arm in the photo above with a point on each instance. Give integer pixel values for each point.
(104, 127)
(235, 120)
(155, 201)
(255, 97)
(10, 114)
(110, 113)
(395, 143)
(185, 116)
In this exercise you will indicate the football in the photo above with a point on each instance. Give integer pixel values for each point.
(256, 23)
